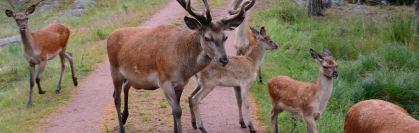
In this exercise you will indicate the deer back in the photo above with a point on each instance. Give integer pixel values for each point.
(375, 116)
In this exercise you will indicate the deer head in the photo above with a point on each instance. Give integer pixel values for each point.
(327, 63)
(211, 33)
(264, 39)
(21, 17)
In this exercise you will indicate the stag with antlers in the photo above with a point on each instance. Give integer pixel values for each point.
(166, 56)
(41, 46)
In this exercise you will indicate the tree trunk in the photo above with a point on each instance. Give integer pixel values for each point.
(417, 15)
(315, 7)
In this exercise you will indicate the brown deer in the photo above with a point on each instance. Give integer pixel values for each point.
(41, 46)
(166, 57)
(242, 34)
(239, 73)
(378, 116)
(307, 100)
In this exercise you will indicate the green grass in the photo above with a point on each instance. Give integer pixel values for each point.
(377, 58)
(88, 47)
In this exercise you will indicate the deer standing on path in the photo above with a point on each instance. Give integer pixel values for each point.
(307, 100)
(378, 116)
(166, 57)
(242, 44)
(41, 46)
(239, 73)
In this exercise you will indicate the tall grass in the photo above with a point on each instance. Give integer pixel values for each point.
(377, 58)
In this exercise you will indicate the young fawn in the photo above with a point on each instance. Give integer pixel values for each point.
(239, 73)
(41, 46)
(307, 100)
(378, 116)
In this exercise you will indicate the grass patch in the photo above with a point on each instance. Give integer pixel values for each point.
(88, 48)
(377, 58)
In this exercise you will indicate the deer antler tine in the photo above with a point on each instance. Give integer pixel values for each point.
(207, 11)
(238, 13)
(199, 16)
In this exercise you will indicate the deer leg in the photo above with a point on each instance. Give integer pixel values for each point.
(274, 118)
(61, 74)
(171, 96)
(38, 76)
(125, 113)
(201, 94)
(69, 57)
(260, 75)
(193, 120)
(311, 124)
(31, 83)
(117, 100)
(239, 105)
(244, 93)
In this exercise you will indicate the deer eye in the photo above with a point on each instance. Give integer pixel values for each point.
(207, 39)
(225, 38)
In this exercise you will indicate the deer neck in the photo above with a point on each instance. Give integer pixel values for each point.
(256, 54)
(29, 46)
(326, 87)
(194, 57)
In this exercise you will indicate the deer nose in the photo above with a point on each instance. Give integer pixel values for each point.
(223, 60)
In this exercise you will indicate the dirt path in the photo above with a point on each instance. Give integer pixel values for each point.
(92, 110)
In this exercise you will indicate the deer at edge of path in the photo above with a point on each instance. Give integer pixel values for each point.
(378, 116)
(307, 100)
(239, 73)
(41, 46)
(166, 57)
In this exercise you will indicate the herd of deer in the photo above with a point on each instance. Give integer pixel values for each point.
(167, 57)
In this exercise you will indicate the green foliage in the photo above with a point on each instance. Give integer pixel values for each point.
(377, 59)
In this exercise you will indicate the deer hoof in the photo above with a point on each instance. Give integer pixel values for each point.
(57, 91)
(202, 129)
(242, 124)
(252, 130)
(42, 92)
(75, 81)
(194, 124)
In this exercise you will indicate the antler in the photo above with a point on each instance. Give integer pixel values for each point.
(199, 16)
(240, 12)
(236, 5)
(14, 3)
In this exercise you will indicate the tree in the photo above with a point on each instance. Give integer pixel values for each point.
(417, 16)
(316, 7)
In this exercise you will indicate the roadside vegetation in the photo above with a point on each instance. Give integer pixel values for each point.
(377, 54)
(87, 43)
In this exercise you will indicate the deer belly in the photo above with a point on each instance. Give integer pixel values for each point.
(145, 81)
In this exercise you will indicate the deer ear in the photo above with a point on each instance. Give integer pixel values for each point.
(316, 55)
(262, 31)
(10, 13)
(192, 23)
(30, 10)
(326, 52)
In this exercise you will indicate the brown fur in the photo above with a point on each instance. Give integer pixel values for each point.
(239, 73)
(41, 46)
(166, 56)
(378, 116)
(304, 99)
(50, 39)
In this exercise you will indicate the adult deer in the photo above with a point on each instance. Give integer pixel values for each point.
(378, 116)
(41, 46)
(166, 57)
(239, 73)
(307, 100)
